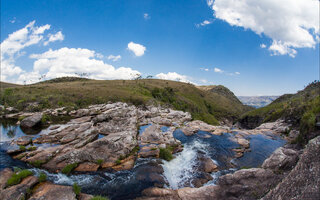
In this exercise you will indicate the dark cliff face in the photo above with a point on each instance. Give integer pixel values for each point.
(250, 122)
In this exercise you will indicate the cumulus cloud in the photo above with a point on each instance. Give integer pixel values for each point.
(174, 77)
(137, 49)
(54, 37)
(114, 58)
(146, 16)
(11, 47)
(72, 61)
(291, 24)
(218, 70)
(237, 73)
(53, 63)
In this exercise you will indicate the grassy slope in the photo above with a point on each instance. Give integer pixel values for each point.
(203, 105)
(300, 108)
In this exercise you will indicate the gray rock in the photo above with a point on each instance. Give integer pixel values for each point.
(303, 182)
(31, 121)
(281, 159)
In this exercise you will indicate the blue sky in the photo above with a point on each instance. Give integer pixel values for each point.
(195, 40)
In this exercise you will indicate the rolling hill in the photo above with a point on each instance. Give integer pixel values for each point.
(300, 110)
(72, 92)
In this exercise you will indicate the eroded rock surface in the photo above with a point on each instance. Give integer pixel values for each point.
(303, 182)
(106, 133)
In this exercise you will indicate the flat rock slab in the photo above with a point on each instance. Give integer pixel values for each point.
(49, 191)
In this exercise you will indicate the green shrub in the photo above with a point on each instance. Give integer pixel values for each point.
(118, 162)
(37, 163)
(45, 118)
(165, 154)
(22, 148)
(99, 161)
(76, 189)
(21, 118)
(16, 178)
(69, 168)
(32, 148)
(16, 169)
(42, 177)
(122, 157)
(99, 198)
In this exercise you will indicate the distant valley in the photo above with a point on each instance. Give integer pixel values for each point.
(257, 101)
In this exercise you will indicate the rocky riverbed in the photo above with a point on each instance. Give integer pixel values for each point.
(120, 147)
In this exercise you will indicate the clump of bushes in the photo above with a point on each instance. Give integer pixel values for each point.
(165, 154)
(22, 148)
(99, 161)
(16, 178)
(32, 148)
(37, 163)
(76, 189)
(45, 118)
(42, 177)
(69, 168)
(118, 162)
(99, 198)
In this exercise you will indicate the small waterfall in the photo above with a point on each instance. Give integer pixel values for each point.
(180, 171)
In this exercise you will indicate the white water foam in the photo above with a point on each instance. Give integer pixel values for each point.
(180, 170)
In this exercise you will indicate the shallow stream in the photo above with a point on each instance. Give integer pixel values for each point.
(176, 173)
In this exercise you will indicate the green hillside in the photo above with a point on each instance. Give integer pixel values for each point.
(76, 93)
(299, 109)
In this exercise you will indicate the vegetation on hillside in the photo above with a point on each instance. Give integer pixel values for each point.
(300, 109)
(78, 93)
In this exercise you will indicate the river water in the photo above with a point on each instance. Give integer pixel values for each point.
(176, 173)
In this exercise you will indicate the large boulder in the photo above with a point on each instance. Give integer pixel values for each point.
(303, 182)
(31, 121)
(281, 159)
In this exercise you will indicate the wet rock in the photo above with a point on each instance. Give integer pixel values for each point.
(281, 159)
(158, 192)
(207, 165)
(243, 142)
(154, 134)
(4, 176)
(303, 180)
(126, 164)
(192, 127)
(19, 191)
(87, 167)
(31, 121)
(149, 151)
(24, 140)
(247, 183)
(201, 179)
(50, 191)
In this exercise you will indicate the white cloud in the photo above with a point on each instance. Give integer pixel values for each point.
(70, 61)
(291, 24)
(54, 37)
(53, 63)
(12, 21)
(204, 69)
(218, 70)
(11, 48)
(204, 23)
(237, 73)
(263, 46)
(114, 58)
(146, 16)
(137, 49)
(174, 77)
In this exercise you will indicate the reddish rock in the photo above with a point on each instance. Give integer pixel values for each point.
(87, 167)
